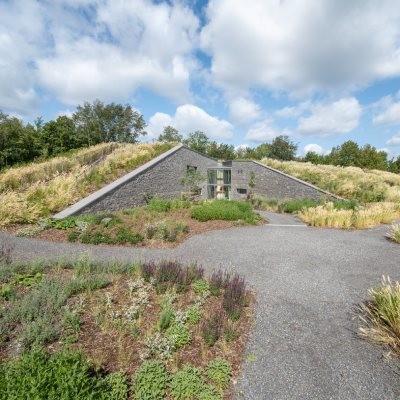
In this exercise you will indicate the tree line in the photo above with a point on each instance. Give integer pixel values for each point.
(94, 123)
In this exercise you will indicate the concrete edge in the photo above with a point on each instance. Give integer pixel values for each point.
(298, 180)
(93, 197)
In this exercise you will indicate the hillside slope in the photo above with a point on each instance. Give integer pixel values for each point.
(349, 182)
(37, 190)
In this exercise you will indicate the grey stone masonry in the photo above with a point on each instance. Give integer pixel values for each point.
(162, 177)
(271, 183)
(159, 177)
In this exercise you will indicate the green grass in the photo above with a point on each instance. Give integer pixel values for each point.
(228, 210)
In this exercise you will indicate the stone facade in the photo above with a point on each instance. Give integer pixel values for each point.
(270, 183)
(162, 177)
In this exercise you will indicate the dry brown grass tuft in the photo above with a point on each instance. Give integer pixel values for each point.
(363, 217)
(380, 316)
(35, 191)
(394, 233)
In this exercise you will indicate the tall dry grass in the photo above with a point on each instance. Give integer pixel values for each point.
(362, 217)
(394, 233)
(35, 191)
(380, 315)
(348, 182)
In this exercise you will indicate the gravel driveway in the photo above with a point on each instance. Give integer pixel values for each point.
(307, 280)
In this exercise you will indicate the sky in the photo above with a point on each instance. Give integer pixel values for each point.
(321, 72)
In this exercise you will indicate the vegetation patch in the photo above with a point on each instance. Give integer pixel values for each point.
(121, 331)
(225, 210)
(394, 233)
(380, 315)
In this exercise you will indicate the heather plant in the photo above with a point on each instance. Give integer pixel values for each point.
(211, 329)
(150, 381)
(148, 270)
(234, 296)
(216, 282)
(219, 371)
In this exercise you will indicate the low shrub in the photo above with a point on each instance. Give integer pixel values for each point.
(150, 381)
(123, 236)
(292, 206)
(193, 314)
(234, 296)
(219, 371)
(159, 205)
(229, 210)
(211, 329)
(381, 315)
(201, 286)
(38, 374)
(394, 233)
(179, 335)
(166, 318)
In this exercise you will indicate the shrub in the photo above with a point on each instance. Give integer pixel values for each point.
(166, 318)
(201, 286)
(381, 315)
(292, 206)
(7, 292)
(187, 383)
(193, 314)
(179, 335)
(211, 329)
(159, 205)
(225, 210)
(216, 282)
(39, 374)
(150, 381)
(234, 296)
(394, 234)
(73, 236)
(97, 238)
(219, 371)
(125, 236)
(148, 270)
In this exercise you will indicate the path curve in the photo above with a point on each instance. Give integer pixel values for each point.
(308, 280)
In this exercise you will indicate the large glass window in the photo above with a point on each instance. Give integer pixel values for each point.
(219, 183)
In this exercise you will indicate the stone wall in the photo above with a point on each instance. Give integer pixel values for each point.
(162, 179)
(270, 183)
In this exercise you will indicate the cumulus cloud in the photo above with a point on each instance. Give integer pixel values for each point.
(243, 110)
(293, 46)
(394, 140)
(339, 117)
(263, 131)
(313, 147)
(84, 49)
(388, 110)
(189, 118)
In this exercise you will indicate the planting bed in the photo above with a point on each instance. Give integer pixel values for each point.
(149, 331)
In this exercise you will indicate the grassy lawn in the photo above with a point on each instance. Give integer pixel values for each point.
(162, 223)
(143, 331)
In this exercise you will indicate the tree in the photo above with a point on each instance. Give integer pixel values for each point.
(394, 165)
(221, 151)
(97, 123)
(170, 134)
(262, 151)
(197, 141)
(59, 135)
(372, 158)
(282, 148)
(347, 154)
(314, 158)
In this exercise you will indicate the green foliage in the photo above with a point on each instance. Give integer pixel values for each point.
(159, 205)
(219, 371)
(166, 318)
(229, 210)
(179, 335)
(197, 141)
(167, 230)
(28, 280)
(282, 148)
(230, 332)
(295, 205)
(188, 384)
(170, 134)
(7, 292)
(60, 376)
(201, 286)
(193, 314)
(125, 236)
(150, 381)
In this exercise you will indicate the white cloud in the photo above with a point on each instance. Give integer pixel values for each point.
(339, 117)
(316, 148)
(85, 49)
(389, 112)
(293, 111)
(294, 46)
(189, 118)
(262, 131)
(394, 140)
(243, 110)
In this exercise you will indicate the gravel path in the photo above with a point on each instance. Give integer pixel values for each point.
(307, 280)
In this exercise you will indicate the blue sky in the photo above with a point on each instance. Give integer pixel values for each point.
(243, 72)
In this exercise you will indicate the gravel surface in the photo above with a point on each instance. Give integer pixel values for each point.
(308, 280)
